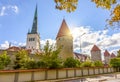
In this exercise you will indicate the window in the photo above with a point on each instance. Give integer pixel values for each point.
(31, 39)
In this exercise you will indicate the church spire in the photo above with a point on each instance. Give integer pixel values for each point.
(35, 23)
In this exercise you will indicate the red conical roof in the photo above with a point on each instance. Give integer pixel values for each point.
(64, 30)
(95, 48)
(113, 55)
(106, 53)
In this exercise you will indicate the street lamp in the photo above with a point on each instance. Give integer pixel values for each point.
(80, 41)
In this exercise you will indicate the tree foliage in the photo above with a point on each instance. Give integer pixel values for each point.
(4, 60)
(115, 62)
(71, 62)
(49, 57)
(112, 5)
(118, 53)
(87, 63)
(21, 58)
(98, 63)
(68, 5)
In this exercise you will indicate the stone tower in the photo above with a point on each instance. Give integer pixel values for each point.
(64, 40)
(95, 53)
(33, 38)
(106, 57)
(112, 55)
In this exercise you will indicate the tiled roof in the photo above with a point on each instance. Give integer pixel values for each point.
(113, 55)
(64, 30)
(14, 48)
(78, 55)
(106, 53)
(95, 48)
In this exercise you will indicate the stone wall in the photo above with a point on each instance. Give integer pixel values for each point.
(50, 74)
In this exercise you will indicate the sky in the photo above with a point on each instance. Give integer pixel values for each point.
(16, 18)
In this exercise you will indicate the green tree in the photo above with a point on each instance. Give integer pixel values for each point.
(87, 63)
(4, 60)
(98, 64)
(31, 64)
(21, 59)
(112, 5)
(49, 57)
(71, 62)
(115, 62)
(118, 53)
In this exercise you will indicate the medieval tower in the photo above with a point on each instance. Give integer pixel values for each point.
(64, 40)
(106, 57)
(33, 38)
(95, 54)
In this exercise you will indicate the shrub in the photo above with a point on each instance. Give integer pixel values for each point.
(4, 60)
(98, 64)
(87, 64)
(115, 62)
(71, 62)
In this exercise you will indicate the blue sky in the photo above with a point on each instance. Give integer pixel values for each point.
(16, 17)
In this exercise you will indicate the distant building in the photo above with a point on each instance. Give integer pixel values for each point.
(106, 57)
(80, 57)
(112, 55)
(64, 40)
(95, 54)
(33, 37)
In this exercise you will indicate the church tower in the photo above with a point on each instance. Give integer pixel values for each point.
(33, 38)
(96, 54)
(64, 40)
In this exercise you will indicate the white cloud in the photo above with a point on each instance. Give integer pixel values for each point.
(2, 12)
(5, 45)
(100, 38)
(9, 9)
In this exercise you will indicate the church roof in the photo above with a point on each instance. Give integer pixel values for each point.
(95, 48)
(35, 23)
(113, 55)
(106, 53)
(64, 30)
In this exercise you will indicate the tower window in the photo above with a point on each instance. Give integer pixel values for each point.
(31, 39)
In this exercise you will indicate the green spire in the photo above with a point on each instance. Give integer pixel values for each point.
(35, 26)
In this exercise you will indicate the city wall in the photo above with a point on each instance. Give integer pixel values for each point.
(50, 74)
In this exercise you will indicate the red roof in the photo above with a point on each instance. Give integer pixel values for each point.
(13, 48)
(64, 30)
(95, 48)
(106, 53)
(113, 55)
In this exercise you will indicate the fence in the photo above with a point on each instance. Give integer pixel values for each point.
(51, 74)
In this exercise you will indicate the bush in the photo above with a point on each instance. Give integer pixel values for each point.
(4, 60)
(31, 64)
(71, 62)
(87, 64)
(98, 64)
(115, 62)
